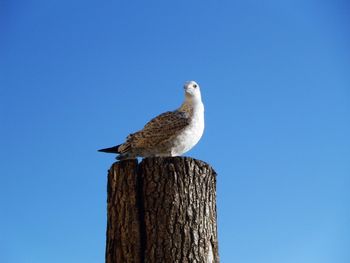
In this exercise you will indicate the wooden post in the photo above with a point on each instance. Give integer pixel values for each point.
(162, 210)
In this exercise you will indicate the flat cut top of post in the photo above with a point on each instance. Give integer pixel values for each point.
(177, 160)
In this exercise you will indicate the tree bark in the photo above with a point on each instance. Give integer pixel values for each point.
(123, 220)
(162, 210)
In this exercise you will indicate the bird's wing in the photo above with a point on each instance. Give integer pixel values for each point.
(160, 129)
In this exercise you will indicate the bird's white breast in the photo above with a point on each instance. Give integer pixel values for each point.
(190, 136)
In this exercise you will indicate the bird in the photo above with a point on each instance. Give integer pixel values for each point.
(171, 133)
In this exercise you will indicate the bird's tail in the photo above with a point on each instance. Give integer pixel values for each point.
(114, 149)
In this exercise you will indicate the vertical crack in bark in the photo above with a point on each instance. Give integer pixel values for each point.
(141, 209)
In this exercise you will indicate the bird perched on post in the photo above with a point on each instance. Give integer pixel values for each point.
(171, 133)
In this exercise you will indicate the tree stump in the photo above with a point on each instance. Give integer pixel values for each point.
(161, 210)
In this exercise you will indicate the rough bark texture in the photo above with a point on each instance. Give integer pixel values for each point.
(165, 213)
(123, 220)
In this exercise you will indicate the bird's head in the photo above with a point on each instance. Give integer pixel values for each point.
(192, 90)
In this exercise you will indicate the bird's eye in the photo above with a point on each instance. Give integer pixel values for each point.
(194, 85)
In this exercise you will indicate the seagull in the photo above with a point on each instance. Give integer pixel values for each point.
(171, 133)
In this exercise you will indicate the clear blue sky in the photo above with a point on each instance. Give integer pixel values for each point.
(275, 77)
